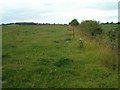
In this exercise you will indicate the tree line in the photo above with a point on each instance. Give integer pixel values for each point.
(31, 23)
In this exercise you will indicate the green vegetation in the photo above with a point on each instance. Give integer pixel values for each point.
(74, 22)
(91, 27)
(46, 56)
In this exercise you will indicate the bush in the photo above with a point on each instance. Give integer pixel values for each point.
(113, 34)
(92, 27)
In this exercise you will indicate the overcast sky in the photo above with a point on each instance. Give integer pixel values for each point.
(58, 11)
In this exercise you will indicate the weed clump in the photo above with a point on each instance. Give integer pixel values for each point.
(63, 62)
(68, 39)
(56, 41)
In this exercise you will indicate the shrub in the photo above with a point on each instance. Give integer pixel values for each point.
(113, 34)
(92, 27)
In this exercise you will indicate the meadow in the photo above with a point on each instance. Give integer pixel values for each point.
(46, 56)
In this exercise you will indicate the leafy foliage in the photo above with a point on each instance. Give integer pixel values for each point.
(92, 27)
(113, 34)
(74, 22)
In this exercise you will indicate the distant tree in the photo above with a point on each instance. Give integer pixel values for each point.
(25, 23)
(111, 23)
(65, 24)
(3, 24)
(107, 22)
(74, 23)
(92, 27)
(118, 23)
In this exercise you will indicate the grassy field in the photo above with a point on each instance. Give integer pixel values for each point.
(47, 56)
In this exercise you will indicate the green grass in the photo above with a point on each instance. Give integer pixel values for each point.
(47, 56)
